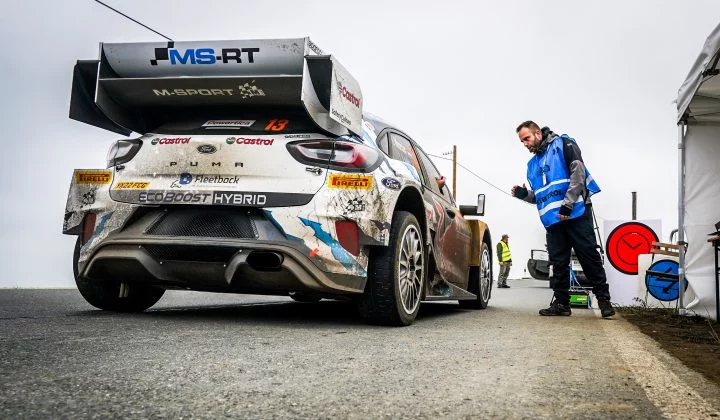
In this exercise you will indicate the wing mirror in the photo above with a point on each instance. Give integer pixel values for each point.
(477, 210)
(441, 182)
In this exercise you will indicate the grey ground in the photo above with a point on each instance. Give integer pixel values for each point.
(200, 355)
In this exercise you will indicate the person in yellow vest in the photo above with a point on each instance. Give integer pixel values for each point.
(505, 261)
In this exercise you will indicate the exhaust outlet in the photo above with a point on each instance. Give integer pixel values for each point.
(265, 260)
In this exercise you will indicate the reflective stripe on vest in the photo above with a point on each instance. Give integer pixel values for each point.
(550, 189)
(505, 252)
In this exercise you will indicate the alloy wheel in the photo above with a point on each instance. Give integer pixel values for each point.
(411, 268)
(485, 275)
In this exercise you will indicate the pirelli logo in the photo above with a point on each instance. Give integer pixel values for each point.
(353, 182)
(93, 177)
(131, 185)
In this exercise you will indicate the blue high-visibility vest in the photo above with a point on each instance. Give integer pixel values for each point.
(549, 179)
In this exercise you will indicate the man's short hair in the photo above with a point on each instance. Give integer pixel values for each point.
(529, 125)
(505, 236)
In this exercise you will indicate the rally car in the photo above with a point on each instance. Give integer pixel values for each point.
(258, 172)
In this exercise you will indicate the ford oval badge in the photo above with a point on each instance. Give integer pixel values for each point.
(206, 149)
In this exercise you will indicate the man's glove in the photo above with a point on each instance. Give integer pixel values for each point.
(565, 210)
(520, 192)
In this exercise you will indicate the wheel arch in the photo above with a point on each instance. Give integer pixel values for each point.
(410, 200)
(480, 234)
(488, 240)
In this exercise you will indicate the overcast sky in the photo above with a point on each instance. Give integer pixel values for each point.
(463, 73)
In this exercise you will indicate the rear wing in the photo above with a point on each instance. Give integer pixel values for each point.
(138, 86)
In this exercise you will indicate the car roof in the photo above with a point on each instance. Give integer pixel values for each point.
(380, 125)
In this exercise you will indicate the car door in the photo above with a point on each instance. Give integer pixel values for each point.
(401, 148)
(453, 239)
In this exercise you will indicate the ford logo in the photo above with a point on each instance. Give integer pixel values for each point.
(391, 183)
(206, 149)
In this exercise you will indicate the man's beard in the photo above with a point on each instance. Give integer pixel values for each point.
(536, 147)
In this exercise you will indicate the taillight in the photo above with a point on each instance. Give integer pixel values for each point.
(311, 152)
(348, 236)
(122, 151)
(340, 155)
(352, 155)
(88, 227)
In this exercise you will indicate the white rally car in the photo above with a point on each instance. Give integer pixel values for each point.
(257, 172)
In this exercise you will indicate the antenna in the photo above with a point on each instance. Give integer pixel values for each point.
(124, 15)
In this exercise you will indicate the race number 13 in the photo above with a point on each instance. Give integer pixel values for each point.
(276, 125)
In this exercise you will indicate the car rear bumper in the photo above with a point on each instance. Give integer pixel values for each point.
(230, 265)
(214, 249)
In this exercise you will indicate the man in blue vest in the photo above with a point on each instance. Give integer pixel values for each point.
(561, 186)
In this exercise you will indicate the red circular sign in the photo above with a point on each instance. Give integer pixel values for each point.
(626, 242)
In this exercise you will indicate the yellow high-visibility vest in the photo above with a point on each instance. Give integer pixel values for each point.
(505, 256)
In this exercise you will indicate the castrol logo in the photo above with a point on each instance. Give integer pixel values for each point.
(349, 96)
(170, 140)
(249, 141)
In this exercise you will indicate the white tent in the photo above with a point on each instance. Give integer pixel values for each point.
(699, 184)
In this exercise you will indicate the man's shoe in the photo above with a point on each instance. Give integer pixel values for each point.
(606, 308)
(505, 286)
(556, 309)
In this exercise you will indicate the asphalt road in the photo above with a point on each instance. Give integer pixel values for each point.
(199, 355)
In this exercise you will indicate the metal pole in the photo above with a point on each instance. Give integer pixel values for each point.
(634, 205)
(454, 171)
(717, 284)
(681, 217)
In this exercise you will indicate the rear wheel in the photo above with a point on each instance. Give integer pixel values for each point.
(106, 294)
(396, 275)
(480, 281)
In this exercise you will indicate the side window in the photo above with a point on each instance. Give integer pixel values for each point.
(401, 149)
(383, 144)
(432, 174)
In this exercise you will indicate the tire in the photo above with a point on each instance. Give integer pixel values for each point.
(393, 294)
(480, 281)
(105, 294)
(300, 297)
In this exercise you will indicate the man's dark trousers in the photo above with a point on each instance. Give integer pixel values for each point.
(576, 234)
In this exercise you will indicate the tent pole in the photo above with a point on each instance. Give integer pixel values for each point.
(681, 217)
